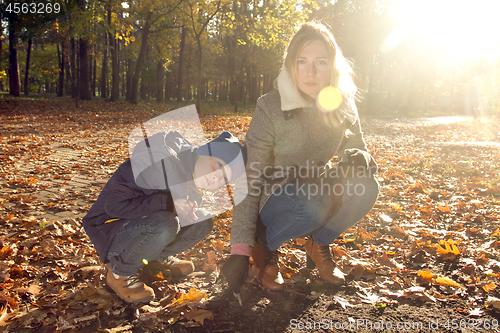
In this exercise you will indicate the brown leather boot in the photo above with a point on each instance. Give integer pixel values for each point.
(179, 267)
(266, 267)
(129, 288)
(320, 256)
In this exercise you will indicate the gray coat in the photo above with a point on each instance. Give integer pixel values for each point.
(277, 140)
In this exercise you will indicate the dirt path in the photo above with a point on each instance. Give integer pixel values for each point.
(439, 183)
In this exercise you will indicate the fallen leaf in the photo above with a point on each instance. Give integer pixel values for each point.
(300, 241)
(218, 245)
(193, 296)
(444, 208)
(489, 287)
(477, 312)
(444, 281)
(33, 289)
(199, 315)
(385, 218)
(426, 275)
(211, 257)
(493, 302)
(343, 302)
(117, 329)
(386, 261)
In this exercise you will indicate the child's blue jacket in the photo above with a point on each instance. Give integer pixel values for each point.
(139, 187)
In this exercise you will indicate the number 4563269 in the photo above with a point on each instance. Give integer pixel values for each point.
(33, 8)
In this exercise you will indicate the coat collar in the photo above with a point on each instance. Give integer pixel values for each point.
(290, 97)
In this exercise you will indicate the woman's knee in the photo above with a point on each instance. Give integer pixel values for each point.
(362, 187)
(372, 189)
(282, 204)
(364, 195)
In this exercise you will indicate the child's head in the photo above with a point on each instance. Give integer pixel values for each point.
(219, 162)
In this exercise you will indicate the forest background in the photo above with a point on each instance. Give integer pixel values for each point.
(410, 58)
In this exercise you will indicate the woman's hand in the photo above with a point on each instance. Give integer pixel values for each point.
(360, 160)
(235, 269)
(186, 209)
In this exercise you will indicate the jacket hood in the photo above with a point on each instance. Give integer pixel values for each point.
(227, 148)
(159, 155)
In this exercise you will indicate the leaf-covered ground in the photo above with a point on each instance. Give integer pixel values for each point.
(426, 255)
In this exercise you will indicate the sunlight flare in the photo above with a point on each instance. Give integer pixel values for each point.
(329, 98)
(459, 27)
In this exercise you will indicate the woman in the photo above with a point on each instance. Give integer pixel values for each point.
(295, 131)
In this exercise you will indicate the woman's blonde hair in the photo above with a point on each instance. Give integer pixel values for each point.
(340, 68)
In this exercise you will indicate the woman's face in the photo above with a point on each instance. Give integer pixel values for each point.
(313, 71)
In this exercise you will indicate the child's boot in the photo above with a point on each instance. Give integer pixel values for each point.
(129, 288)
(179, 267)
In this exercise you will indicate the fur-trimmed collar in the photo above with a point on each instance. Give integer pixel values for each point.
(290, 97)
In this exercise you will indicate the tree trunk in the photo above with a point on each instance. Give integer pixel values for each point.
(83, 69)
(104, 73)
(225, 90)
(60, 82)
(264, 84)
(236, 94)
(259, 90)
(122, 63)
(67, 81)
(188, 92)
(115, 68)
(181, 64)
(13, 65)
(239, 86)
(26, 74)
(204, 92)
(254, 88)
(78, 81)
(199, 78)
(74, 92)
(159, 81)
(1, 47)
(140, 60)
(232, 90)
(168, 87)
(128, 79)
(242, 84)
(94, 71)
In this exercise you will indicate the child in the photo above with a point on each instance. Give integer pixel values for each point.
(148, 210)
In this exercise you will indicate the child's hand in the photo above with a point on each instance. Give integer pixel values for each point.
(186, 209)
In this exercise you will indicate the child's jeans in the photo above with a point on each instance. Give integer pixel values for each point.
(302, 209)
(154, 237)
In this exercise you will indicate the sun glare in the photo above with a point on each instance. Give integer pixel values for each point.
(461, 28)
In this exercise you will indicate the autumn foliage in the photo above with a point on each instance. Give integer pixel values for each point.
(433, 236)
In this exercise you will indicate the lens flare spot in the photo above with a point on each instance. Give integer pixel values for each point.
(145, 261)
(329, 98)
(394, 39)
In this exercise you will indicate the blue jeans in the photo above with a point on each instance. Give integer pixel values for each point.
(154, 237)
(301, 209)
